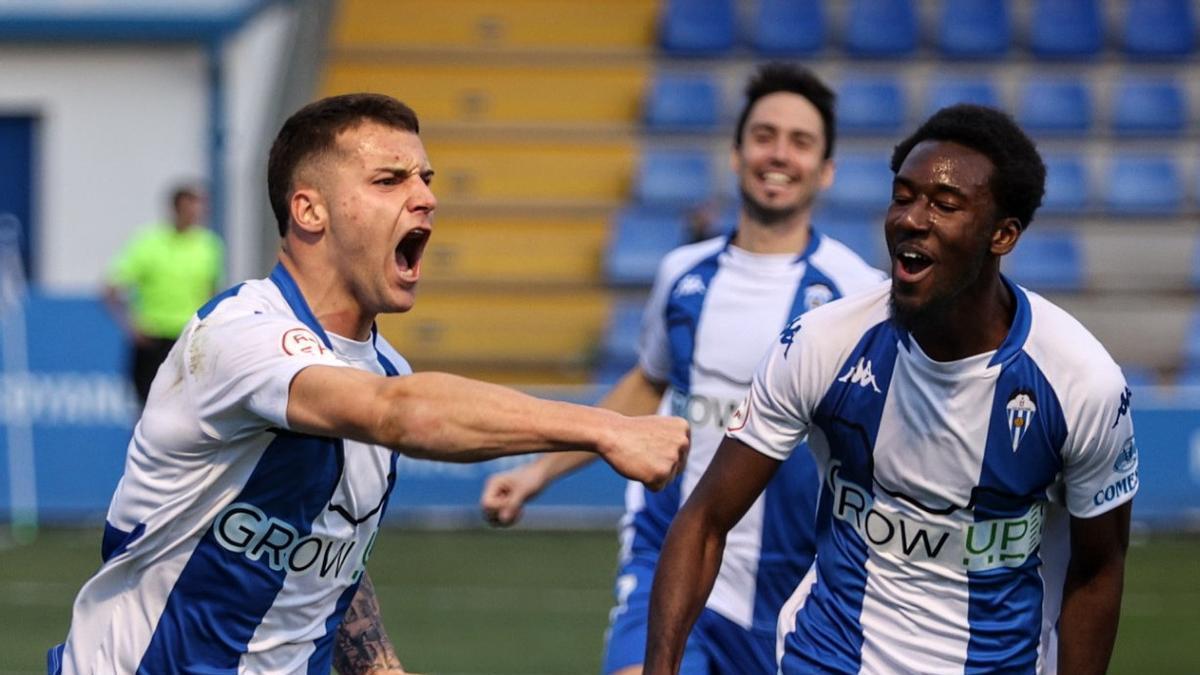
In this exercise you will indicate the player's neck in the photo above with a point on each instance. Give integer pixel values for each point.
(788, 236)
(977, 321)
(332, 305)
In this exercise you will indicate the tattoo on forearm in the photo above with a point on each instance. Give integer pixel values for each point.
(361, 644)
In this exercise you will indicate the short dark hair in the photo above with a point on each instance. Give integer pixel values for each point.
(1019, 179)
(182, 192)
(774, 77)
(313, 130)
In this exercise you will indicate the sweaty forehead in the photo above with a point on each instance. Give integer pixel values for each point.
(949, 164)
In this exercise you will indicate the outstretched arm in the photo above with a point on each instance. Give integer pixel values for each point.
(362, 646)
(505, 493)
(455, 419)
(692, 553)
(1091, 605)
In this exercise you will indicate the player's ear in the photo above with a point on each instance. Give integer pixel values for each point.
(1005, 234)
(828, 169)
(308, 210)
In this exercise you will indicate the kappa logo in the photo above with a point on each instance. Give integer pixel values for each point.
(1123, 408)
(788, 335)
(1021, 408)
(860, 374)
(691, 284)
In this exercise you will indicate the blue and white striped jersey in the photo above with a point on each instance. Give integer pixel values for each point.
(232, 544)
(950, 484)
(713, 312)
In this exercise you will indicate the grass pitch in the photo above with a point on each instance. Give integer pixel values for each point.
(536, 603)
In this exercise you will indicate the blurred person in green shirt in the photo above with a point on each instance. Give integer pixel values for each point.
(161, 277)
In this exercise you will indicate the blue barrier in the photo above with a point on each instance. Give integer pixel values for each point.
(82, 411)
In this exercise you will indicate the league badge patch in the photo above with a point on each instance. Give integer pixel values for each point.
(1021, 408)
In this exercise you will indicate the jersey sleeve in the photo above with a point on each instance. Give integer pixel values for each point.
(240, 370)
(654, 348)
(775, 416)
(1100, 469)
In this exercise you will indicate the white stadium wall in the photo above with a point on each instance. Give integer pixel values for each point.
(119, 125)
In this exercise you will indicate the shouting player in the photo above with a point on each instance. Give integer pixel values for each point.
(716, 306)
(260, 470)
(974, 443)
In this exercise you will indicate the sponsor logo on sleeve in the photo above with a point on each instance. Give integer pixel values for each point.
(737, 421)
(1127, 459)
(1116, 490)
(1020, 408)
(302, 341)
(1123, 406)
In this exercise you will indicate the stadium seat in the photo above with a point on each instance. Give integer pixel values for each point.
(1049, 260)
(1067, 188)
(1191, 344)
(871, 106)
(1149, 108)
(1139, 376)
(948, 92)
(974, 29)
(862, 183)
(881, 28)
(679, 102)
(1158, 29)
(1140, 184)
(863, 234)
(618, 351)
(674, 177)
(788, 27)
(1066, 29)
(641, 236)
(1056, 107)
(697, 27)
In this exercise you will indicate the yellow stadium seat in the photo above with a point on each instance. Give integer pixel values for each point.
(483, 91)
(512, 250)
(496, 24)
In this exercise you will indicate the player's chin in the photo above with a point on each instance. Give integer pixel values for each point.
(400, 300)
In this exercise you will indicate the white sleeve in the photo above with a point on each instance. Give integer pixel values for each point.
(776, 414)
(654, 347)
(239, 370)
(1100, 467)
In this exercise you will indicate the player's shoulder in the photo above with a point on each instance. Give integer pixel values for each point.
(682, 259)
(847, 319)
(1066, 351)
(843, 266)
(255, 297)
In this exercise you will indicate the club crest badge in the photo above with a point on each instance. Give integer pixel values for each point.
(1021, 409)
(817, 295)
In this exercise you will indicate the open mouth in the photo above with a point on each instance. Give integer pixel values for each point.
(409, 251)
(776, 178)
(911, 264)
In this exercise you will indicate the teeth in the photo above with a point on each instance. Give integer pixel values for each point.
(776, 178)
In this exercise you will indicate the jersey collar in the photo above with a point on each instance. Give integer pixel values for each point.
(295, 299)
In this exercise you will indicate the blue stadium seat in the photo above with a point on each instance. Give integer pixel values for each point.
(1139, 376)
(1056, 107)
(948, 92)
(1049, 260)
(674, 177)
(871, 106)
(1149, 108)
(1159, 29)
(863, 234)
(1067, 185)
(1066, 29)
(641, 236)
(679, 102)
(1191, 344)
(788, 27)
(881, 28)
(618, 351)
(698, 27)
(975, 29)
(1140, 184)
(862, 183)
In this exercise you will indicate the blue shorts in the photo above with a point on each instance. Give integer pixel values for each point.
(716, 646)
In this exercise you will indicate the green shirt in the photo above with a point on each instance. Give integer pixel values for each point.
(169, 275)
